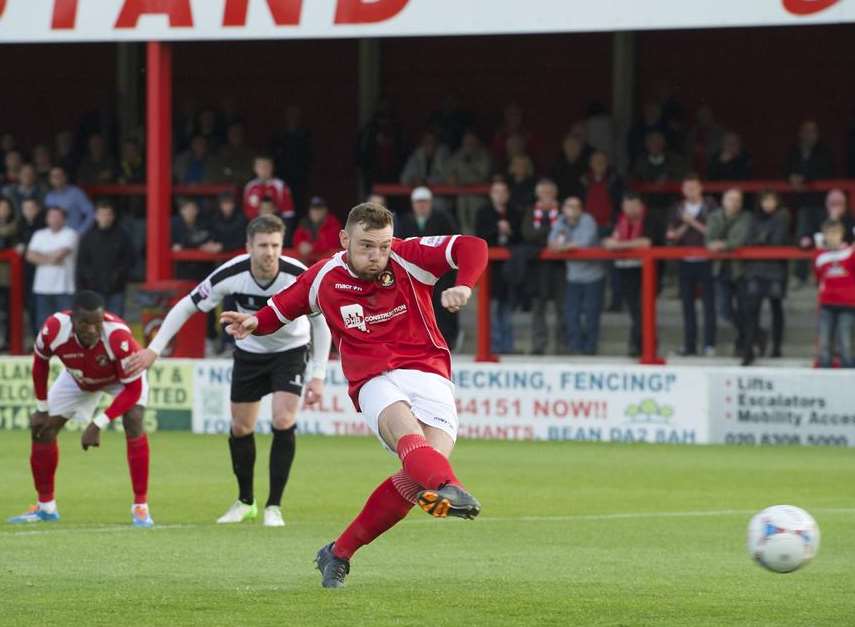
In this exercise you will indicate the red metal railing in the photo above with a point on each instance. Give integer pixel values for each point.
(649, 280)
(16, 300)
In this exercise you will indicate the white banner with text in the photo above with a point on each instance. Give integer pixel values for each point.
(146, 20)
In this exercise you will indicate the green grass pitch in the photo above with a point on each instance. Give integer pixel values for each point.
(570, 534)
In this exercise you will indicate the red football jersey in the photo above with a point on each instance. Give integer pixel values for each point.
(378, 325)
(93, 368)
(276, 189)
(835, 271)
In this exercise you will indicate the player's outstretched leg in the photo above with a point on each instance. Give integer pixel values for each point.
(138, 463)
(443, 494)
(282, 451)
(387, 505)
(44, 459)
(242, 449)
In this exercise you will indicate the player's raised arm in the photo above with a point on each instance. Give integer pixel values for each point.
(432, 257)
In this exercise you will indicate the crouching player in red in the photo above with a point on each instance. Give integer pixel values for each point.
(376, 298)
(93, 345)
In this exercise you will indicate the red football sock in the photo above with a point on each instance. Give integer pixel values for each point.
(383, 509)
(44, 458)
(138, 465)
(423, 463)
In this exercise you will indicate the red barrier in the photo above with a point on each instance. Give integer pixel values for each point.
(16, 300)
(649, 281)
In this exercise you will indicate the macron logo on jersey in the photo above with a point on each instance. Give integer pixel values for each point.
(433, 241)
(354, 317)
(347, 287)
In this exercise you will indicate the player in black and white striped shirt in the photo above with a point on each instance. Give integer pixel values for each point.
(267, 364)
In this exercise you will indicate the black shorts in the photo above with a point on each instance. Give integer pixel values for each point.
(258, 374)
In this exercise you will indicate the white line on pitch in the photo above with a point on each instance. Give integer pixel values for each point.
(569, 518)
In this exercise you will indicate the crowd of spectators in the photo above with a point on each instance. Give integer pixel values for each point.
(578, 198)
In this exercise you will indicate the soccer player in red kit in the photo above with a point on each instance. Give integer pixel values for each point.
(93, 345)
(376, 298)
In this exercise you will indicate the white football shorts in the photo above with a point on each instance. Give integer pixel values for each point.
(430, 397)
(66, 399)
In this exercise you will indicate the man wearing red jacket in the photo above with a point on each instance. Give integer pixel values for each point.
(94, 346)
(835, 272)
(376, 298)
(317, 234)
(265, 185)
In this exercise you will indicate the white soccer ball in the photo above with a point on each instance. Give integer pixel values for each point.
(783, 538)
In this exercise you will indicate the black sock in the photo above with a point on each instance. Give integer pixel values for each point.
(281, 458)
(243, 464)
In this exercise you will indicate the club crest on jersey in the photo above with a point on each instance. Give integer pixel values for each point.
(102, 360)
(354, 317)
(386, 278)
(124, 346)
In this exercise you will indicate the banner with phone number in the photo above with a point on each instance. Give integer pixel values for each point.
(552, 401)
(170, 399)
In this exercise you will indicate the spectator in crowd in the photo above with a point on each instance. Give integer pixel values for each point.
(104, 258)
(228, 226)
(79, 212)
(809, 226)
(770, 226)
(26, 187)
(810, 159)
(688, 227)
(427, 221)
(265, 185)
(206, 127)
(652, 120)
(635, 229)
(655, 164)
(64, 155)
(549, 276)
(379, 146)
(602, 190)
(514, 125)
(704, 140)
(8, 224)
(43, 163)
(835, 272)
(196, 165)
(451, 121)
(7, 144)
(268, 208)
(731, 163)
(292, 152)
(8, 240)
(53, 250)
(378, 199)
(190, 231)
(571, 167)
(31, 220)
(428, 164)
(599, 129)
(132, 163)
(318, 233)
(521, 182)
(470, 165)
(499, 224)
(727, 230)
(836, 210)
(13, 162)
(235, 156)
(98, 166)
(585, 279)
